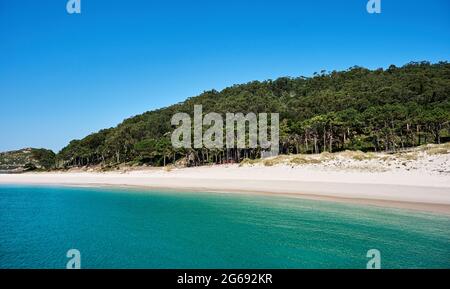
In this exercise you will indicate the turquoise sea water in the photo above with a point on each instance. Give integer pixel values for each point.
(134, 229)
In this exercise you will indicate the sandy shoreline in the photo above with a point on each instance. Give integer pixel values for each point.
(400, 189)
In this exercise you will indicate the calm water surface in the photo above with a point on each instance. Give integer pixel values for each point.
(131, 229)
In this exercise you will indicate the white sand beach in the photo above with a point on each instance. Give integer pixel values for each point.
(422, 182)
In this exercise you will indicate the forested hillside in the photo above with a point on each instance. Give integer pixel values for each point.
(356, 109)
(28, 159)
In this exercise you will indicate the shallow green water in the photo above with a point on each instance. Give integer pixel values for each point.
(132, 229)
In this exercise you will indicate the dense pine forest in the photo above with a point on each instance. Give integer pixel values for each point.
(357, 109)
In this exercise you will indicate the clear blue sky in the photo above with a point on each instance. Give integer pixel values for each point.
(64, 76)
